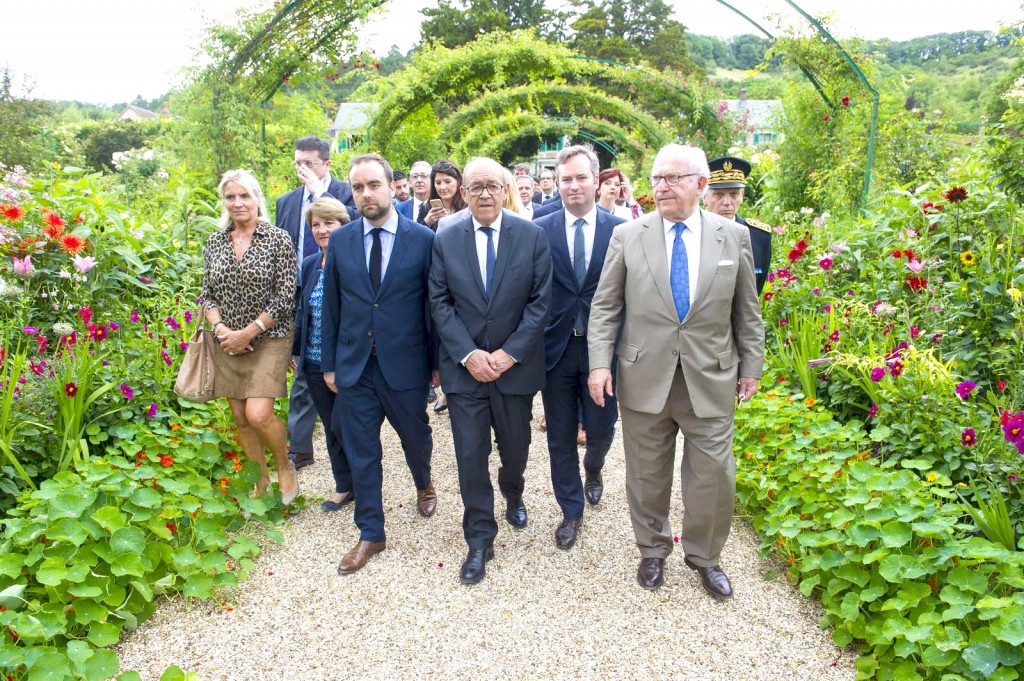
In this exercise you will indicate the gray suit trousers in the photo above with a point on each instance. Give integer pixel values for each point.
(707, 470)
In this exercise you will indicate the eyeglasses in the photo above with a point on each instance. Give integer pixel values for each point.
(309, 164)
(419, 176)
(671, 180)
(478, 189)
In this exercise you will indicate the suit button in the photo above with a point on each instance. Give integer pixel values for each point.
(681, 327)
(675, 352)
(375, 306)
(370, 332)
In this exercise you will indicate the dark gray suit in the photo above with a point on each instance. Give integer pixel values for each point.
(511, 318)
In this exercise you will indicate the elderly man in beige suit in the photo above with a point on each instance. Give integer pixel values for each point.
(680, 281)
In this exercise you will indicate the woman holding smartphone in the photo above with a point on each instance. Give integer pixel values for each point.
(445, 198)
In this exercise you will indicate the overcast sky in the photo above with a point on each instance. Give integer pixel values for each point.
(109, 51)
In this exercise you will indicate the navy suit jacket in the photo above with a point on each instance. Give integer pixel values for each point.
(404, 208)
(556, 207)
(567, 296)
(538, 197)
(396, 319)
(309, 272)
(288, 210)
(512, 318)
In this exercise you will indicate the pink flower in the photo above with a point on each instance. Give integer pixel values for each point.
(915, 266)
(964, 389)
(23, 266)
(1001, 386)
(86, 314)
(127, 391)
(825, 117)
(846, 101)
(825, 263)
(135, 317)
(173, 323)
(84, 264)
(29, 330)
(873, 411)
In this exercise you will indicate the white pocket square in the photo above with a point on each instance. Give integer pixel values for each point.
(725, 263)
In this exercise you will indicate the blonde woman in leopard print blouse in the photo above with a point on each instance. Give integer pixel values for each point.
(249, 278)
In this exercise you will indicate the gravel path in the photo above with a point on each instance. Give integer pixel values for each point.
(539, 613)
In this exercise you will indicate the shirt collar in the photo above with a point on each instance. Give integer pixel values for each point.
(692, 222)
(590, 217)
(391, 225)
(496, 225)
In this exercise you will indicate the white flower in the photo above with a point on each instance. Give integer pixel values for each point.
(62, 329)
(806, 211)
(64, 274)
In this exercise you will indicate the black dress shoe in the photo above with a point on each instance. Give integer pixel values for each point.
(330, 506)
(593, 487)
(301, 460)
(651, 573)
(714, 580)
(438, 407)
(515, 513)
(431, 396)
(474, 568)
(565, 535)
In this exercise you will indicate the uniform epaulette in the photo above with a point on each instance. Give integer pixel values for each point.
(758, 224)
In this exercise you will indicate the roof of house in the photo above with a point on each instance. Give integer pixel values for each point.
(132, 111)
(758, 112)
(354, 116)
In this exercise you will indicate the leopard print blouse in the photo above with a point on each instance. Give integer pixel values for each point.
(264, 281)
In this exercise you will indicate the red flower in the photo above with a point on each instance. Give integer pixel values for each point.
(11, 212)
(70, 389)
(72, 244)
(86, 314)
(897, 254)
(1001, 386)
(955, 194)
(171, 527)
(53, 220)
(907, 253)
(846, 101)
(802, 245)
(917, 283)
(968, 438)
(166, 461)
(768, 296)
(914, 332)
(795, 254)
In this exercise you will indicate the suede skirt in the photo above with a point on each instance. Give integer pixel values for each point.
(260, 373)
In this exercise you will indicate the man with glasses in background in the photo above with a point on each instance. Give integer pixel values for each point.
(489, 310)
(312, 166)
(419, 183)
(690, 346)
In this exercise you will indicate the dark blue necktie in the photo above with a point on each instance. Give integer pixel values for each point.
(309, 244)
(680, 274)
(491, 257)
(579, 268)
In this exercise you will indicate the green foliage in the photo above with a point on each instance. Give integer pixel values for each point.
(102, 139)
(1006, 142)
(22, 120)
(881, 545)
(454, 24)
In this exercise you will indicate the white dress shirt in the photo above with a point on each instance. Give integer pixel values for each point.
(589, 231)
(691, 239)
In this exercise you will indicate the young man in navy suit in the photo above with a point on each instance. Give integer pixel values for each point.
(312, 165)
(378, 354)
(579, 237)
(490, 293)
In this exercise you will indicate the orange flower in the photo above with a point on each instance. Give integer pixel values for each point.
(72, 244)
(11, 212)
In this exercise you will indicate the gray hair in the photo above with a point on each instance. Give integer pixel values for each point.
(420, 163)
(569, 153)
(248, 182)
(695, 158)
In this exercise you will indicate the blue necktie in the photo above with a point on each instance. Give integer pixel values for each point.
(489, 279)
(579, 268)
(309, 244)
(680, 275)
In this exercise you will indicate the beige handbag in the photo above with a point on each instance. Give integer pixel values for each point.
(196, 373)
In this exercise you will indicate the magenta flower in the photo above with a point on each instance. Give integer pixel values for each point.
(895, 369)
(152, 410)
(70, 389)
(184, 346)
(914, 332)
(873, 411)
(877, 374)
(825, 263)
(188, 316)
(969, 438)
(134, 319)
(173, 323)
(1012, 477)
(834, 336)
(113, 326)
(145, 280)
(965, 389)
(29, 330)
(127, 391)
(165, 357)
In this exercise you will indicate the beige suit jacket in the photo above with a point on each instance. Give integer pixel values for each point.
(721, 338)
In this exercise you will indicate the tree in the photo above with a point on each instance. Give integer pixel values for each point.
(631, 31)
(453, 24)
(22, 121)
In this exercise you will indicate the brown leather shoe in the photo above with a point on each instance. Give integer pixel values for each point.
(426, 500)
(357, 557)
(714, 580)
(581, 437)
(568, 530)
(651, 573)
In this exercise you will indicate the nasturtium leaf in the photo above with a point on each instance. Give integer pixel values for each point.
(129, 676)
(968, 580)
(198, 586)
(109, 518)
(68, 529)
(895, 534)
(51, 572)
(173, 673)
(101, 666)
(981, 658)
(69, 505)
(934, 657)
(49, 665)
(1009, 627)
(146, 498)
(103, 634)
(11, 564)
(128, 540)
(11, 597)
(79, 651)
(127, 564)
(87, 590)
(88, 610)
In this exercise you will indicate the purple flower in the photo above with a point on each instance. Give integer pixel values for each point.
(873, 411)
(1012, 477)
(188, 316)
(113, 326)
(184, 346)
(165, 357)
(127, 391)
(968, 438)
(965, 389)
(30, 330)
(152, 410)
(877, 374)
(173, 323)
(134, 319)
(145, 280)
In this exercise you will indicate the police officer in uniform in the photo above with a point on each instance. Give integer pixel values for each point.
(724, 196)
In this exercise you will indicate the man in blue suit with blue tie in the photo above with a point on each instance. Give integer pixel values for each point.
(579, 237)
(313, 168)
(377, 349)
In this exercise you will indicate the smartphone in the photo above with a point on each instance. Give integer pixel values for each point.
(436, 203)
